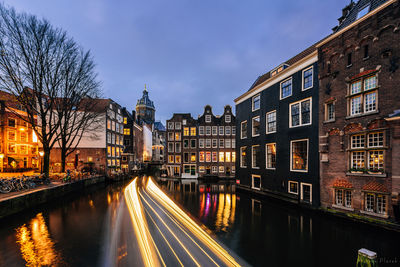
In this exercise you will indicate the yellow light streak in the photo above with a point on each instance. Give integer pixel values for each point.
(180, 227)
(140, 225)
(172, 233)
(190, 224)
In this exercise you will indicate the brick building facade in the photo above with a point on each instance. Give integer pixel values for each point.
(201, 147)
(359, 125)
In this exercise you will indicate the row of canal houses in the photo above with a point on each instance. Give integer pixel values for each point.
(323, 128)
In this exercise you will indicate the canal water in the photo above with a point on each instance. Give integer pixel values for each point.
(89, 229)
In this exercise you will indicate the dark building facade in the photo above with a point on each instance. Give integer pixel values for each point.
(201, 147)
(277, 132)
(359, 106)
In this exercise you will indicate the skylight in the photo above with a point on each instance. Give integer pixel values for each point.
(363, 11)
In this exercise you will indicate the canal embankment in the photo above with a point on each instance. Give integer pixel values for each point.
(14, 203)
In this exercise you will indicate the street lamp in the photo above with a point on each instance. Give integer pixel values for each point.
(41, 154)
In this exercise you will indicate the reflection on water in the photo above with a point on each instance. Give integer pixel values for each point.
(36, 246)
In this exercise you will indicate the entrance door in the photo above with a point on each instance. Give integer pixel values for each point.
(208, 170)
(228, 171)
(306, 191)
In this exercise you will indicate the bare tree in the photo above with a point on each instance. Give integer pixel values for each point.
(34, 61)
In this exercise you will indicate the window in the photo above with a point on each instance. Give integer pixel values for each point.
(214, 143)
(201, 130)
(255, 126)
(170, 125)
(184, 122)
(170, 159)
(208, 118)
(24, 137)
(256, 102)
(243, 130)
(34, 137)
(228, 130)
(171, 147)
(299, 155)
(308, 78)
(177, 159)
(208, 130)
(208, 156)
(12, 136)
(343, 197)
(125, 120)
(376, 203)
(170, 136)
(228, 143)
(215, 130)
(178, 136)
(186, 157)
(193, 143)
(221, 143)
(271, 155)
(185, 143)
(221, 156)
(23, 149)
(127, 131)
(349, 61)
(256, 182)
(300, 113)
(185, 131)
(367, 152)
(366, 51)
(201, 169)
(364, 96)
(227, 156)
(193, 131)
(271, 121)
(306, 192)
(255, 156)
(233, 141)
(293, 187)
(362, 11)
(11, 148)
(330, 111)
(177, 147)
(178, 125)
(208, 143)
(214, 169)
(221, 130)
(286, 88)
(228, 118)
(233, 156)
(201, 143)
(243, 157)
(11, 123)
(214, 157)
(221, 169)
(193, 157)
(201, 156)
(233, 130)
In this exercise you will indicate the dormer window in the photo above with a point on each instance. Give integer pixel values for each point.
(363, 11)
(227, 118)
(208, 118)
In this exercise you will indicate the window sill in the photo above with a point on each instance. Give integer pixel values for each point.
(271, 169)
(305, 171)
(342, 207)
(362, 115)
(382, 175)
(384, 216)
(330, 121)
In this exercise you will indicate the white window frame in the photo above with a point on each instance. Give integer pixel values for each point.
(302, 193)
(207, 118)
(241, 132)
(312, 78)
(243, 162)
(293, 182)
(252, 158)
(266, 122)
(291, 153)
(280, 91)
(214, 130)
(252, 102)
(266, 156)
(300, 117)
(228, 118)
(221, 130)
(252, 181)
(201, 130)
(252, 126)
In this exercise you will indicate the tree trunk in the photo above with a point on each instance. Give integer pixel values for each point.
(63, 158)
(46, 162)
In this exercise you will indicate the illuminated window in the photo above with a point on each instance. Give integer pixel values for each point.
(109, 151)
(201, 156)
(201, 169)
(227, 156)
(233, 156)
(193, 131)
(299, 155)
(208, 156)
(125, 120)
(193, 157)
(178, 136)
(170, 159)
(24, 137)
(271, 156)
(214, 157)
(127, 131)
(34, 137)
(367, 145)
(221, 169)
(11, 135)
(177, 159)
(186, 131)
(243, 157)
(23, 149)
(221, 157)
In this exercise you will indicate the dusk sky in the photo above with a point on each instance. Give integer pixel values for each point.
(189, 53)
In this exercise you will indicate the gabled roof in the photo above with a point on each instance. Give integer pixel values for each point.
(351, 11)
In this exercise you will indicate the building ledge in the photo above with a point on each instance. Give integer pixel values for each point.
(381, 175)
(383, 216)
(362, 115)
(342, 207)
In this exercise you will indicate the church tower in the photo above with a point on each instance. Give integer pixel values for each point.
(145, 109)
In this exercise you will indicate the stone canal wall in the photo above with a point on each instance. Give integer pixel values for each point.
(29, 199)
